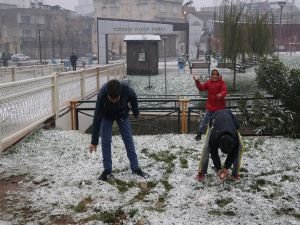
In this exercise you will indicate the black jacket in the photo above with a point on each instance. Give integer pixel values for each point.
(223, 122)
(106, 109)
(73, 59)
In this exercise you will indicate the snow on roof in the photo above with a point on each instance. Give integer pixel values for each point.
(142, 37)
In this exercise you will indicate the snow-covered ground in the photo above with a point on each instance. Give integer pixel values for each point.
(181, 83)
(55, 182)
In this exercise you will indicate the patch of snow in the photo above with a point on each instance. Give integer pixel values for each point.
(268, 192)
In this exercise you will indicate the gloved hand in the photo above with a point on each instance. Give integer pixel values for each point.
(92, 148)
(223, 173)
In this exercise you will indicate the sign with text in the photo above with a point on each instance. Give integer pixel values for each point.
(125, 27)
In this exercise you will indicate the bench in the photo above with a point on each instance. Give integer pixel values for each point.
(240, 68)
(198, 65)
(225, 65)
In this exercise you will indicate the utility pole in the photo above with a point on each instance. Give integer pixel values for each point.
(281, 4)
(165, 60)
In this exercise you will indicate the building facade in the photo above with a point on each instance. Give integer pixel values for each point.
(152, 10)
(18, 3)
(45, 33)
(85, 7)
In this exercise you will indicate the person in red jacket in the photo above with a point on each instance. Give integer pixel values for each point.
(216, 91)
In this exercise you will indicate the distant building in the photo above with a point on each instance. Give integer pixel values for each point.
(153, 10)
(18, 3)
(196, 30)
(85, 7)
(7, 6)
(45, 32)
(290, 23)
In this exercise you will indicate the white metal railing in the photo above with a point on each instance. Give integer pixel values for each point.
(26, 104)
(11, 74)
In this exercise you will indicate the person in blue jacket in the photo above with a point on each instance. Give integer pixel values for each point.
(112, 105)
(222, 134)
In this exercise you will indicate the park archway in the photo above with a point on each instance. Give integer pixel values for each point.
(107, 26)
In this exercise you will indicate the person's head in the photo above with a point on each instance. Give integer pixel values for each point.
(226, 143)
(215, 75)
(113, 90)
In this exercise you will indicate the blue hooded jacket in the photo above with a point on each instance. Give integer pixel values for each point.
(113, 111)
(223, 122)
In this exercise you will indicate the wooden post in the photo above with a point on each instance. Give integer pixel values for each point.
(74, 116)
(184, 108)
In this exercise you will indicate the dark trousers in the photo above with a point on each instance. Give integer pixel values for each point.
(126, 133)
(74, 67)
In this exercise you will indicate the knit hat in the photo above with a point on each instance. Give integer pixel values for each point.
(226, 143)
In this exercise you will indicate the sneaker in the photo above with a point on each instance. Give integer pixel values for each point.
(198, 136)
(200, 176)
(105, 175)
(140, 173)
(235, 177)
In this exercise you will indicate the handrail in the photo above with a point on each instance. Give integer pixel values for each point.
(35, 100)
(12, 74)
(183, 104)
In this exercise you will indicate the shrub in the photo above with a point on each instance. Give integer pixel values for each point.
(275, 79)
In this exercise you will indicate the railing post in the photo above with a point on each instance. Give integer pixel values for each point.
(13, 74)
(55, 95)
(98, 78)
(82, 83)
(108, 74)
(51, 67)
(184, 108)
(74, 116)
(35, 70)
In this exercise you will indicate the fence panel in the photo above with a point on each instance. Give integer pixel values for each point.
(28, 103)
(11, 74)
(23, 104)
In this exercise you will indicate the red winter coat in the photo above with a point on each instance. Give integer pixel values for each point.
(213, 88)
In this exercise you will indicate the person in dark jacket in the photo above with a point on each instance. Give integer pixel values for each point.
(222, 134)
(73, 60)
(216, 91)
(112, 105)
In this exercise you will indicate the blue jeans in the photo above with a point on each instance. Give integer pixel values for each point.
(204, 121)
(106, 135)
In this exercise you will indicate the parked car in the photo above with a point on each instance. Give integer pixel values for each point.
(19, 57)
(81, 61)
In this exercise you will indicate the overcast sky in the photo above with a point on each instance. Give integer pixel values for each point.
(70, 4)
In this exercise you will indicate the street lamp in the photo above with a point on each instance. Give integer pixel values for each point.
(281, 4)
(184, 14)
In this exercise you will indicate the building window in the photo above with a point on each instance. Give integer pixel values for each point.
(25, 19)
(26, 33)
(40, 20)
(162, 9)
(175, 10)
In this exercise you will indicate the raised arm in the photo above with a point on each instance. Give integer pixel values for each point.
(201, 87)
